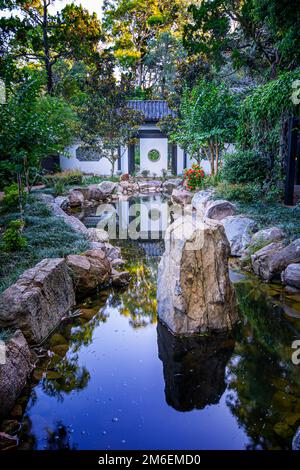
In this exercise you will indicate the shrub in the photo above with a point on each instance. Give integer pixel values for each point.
(13, 239)
(194, 177)
(244, 167)
(67, 178)
(11, 197)
(247, 193)
(59, 188)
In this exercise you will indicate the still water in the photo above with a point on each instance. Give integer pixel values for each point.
(114, 378)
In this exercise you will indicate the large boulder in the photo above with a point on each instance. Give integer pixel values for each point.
(14, 372)
(90, 270)
(171, 184)
(270, 261)
(95, 194)
(267, 235)
(291, 276)
(107, 188)
(201, 199)
(76, 198)
(194, 291)
(181, 196)
(239, 231)
(220, 209)
(38, 300)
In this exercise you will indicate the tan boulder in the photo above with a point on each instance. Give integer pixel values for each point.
(270, 261)
(38, 300)
(14, 373)
(194, 291)
(76, 198)
(220, 209)
(90, 270)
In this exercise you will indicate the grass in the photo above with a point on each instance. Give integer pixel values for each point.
(265, 213)
(47, 237)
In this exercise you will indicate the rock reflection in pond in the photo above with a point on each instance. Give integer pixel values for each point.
(194, 368)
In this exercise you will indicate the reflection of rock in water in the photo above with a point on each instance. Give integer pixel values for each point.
(194, 368)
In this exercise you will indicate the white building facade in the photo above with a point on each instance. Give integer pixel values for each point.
(153, 154)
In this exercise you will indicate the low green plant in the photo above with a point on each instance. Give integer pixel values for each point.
(59, 188)
(244, 167)
(67, 178)
(12, 237)
(11, 197)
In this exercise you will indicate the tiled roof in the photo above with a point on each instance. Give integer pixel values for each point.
(153, 110)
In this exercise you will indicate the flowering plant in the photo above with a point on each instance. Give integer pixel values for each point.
(193, 177)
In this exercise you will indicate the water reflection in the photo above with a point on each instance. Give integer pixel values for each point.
(104, 364)
(194, 368)
(263, 382)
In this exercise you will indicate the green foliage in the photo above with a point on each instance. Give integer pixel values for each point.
(264, 38)
(32, 126)
(262, 112)
(64, 178)
(244, 167)
(208, 121)
(12, 237)
(11, 197)
(249, 192)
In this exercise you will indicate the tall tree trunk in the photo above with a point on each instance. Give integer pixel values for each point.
(47, 58)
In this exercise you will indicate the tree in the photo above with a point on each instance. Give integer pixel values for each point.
(162, 61)
(208, 117)
(34, 35)
(32, 126)
(107, 123)
(261, 35)
(133, 24)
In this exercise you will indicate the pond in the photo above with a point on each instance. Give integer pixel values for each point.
(115, 378)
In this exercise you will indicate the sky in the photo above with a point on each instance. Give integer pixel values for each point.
(91, 5)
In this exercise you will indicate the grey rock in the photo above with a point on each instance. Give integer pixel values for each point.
(268, 235)
(291, 276)
(181, 196)
(62, 201)
(107, 188)
(98, 235)
(149, 186)
(70, 220)
(171, 184)
(239, 231)
(15, 372)
(219, 209)
(201, 199)
(39, 299)
(270, 261)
